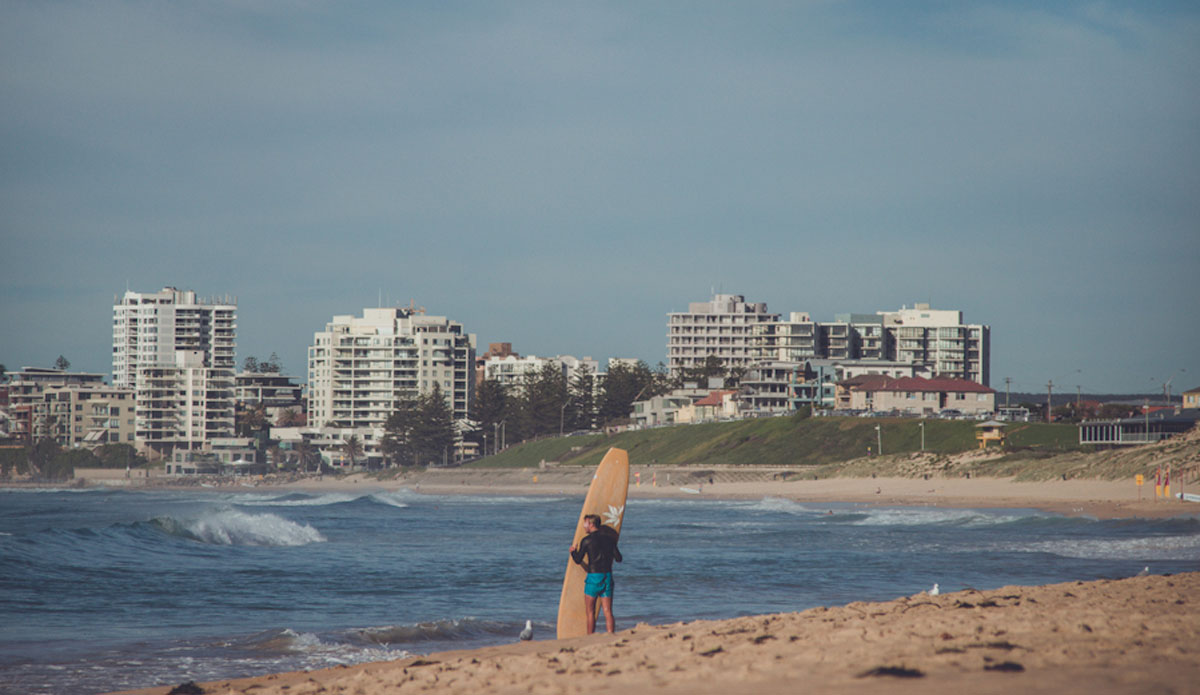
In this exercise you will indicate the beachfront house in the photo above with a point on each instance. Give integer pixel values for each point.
(920, 396)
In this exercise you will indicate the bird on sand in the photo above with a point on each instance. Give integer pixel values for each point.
(527, 633)
(1145, 571)
(934, 591)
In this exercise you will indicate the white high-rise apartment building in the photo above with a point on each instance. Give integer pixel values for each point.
(177, 352)
(727, 327)
(359, 368)
(940, 339)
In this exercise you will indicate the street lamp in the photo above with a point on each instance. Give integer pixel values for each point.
(922, 426)
(879, 441)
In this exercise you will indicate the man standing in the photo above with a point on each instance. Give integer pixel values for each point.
(599, 546)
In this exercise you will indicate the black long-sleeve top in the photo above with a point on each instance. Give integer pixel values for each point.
(600, 548)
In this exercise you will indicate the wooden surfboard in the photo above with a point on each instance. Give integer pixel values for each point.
(606, 497)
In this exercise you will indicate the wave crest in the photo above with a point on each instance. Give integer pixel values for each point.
(231, 527)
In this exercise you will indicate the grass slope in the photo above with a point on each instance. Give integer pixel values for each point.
(782, 441)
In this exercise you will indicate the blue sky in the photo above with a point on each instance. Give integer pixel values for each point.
(560, 175)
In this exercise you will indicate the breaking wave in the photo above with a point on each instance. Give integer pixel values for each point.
(232, 527)
(300, 499)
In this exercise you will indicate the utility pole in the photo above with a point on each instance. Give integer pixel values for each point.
(1007, 382)
(1049, 390)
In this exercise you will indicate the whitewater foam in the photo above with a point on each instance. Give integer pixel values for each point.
(925, 516)
(1148, 549)
(232, 527)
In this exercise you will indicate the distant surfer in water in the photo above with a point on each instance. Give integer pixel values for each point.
(599, 546)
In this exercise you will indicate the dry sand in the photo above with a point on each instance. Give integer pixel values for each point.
(1103, 499)
(1138, 635)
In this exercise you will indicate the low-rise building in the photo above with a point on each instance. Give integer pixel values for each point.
(717, 405)
(513, 370)
(1142, 429)
(919, 396)
(71, 408)
(275, 393)
(86, 415)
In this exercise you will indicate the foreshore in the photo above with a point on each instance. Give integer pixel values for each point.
(1101, 499)
(1136, 635)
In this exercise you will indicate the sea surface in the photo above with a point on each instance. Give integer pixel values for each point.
(104, 590)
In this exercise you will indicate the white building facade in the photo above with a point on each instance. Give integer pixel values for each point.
(512, 371)
(359, 368)
(176, 351)
(726, 327)
(941, 340)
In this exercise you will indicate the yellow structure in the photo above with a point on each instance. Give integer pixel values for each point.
(990, 432)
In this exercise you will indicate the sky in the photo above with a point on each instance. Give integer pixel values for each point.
(561, 175)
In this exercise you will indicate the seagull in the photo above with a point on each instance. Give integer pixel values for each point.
(934, 591)
(1145, 571)
(527, 633)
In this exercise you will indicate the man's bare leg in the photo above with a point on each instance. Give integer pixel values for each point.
(609, 621)
(589, 607)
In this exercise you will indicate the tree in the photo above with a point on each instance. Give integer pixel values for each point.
(624, 385)
(420, 430)
(119, 456)
(434, 433)
(581, 407)
(397, 443)
(252, 421)
(253, 365)
(62, 466)
(62, 363)
(3, 374)
(352, 448)
(543, 397)
(492, 404)
(712, 367)
(308, 456)
(290, 417)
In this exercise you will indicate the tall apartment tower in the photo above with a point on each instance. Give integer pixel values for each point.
(940, 339)
(359, 368)
(727, 327)
(177, 352)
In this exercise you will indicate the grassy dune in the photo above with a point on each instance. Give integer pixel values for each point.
(831, 445)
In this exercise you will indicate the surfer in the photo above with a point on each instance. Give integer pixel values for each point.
(599, 546)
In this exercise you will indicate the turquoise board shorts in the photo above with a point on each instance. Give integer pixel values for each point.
(599, 584)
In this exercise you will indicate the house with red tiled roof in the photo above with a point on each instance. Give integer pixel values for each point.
(920, 396)
(717, 405)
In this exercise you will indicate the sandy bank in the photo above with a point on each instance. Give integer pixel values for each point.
(1096, 498)
(1138, 635)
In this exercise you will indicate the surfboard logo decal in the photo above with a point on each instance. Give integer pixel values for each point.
(613, 516)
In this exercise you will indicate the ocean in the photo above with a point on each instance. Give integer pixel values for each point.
(104, 590)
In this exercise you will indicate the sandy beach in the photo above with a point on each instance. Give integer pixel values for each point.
(1102, 499)
(1137, 635)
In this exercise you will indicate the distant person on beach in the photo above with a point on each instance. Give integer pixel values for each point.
(599, 546)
